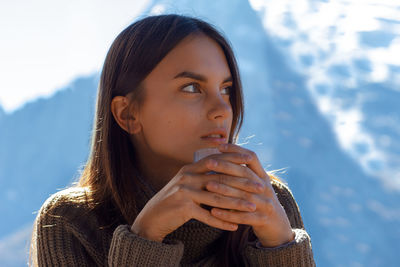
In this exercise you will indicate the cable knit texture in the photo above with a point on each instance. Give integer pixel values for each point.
(69, 233)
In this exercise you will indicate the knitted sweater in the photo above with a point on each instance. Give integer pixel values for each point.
(68, 233)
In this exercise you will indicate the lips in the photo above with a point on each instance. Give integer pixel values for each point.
(216, 136)
(216, 133)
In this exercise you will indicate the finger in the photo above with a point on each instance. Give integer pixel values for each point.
(245, 184)
(206, 163)
(205, 216)
(201, 166)
(229, 191)
(229, 168)
(234, 157)
(233, 216)
(217, 200)
(254, 163)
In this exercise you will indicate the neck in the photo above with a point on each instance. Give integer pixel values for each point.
(157, 171)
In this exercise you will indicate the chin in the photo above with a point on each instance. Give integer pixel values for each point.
(185, 159)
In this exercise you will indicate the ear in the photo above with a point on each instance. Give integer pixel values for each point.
(125, 118)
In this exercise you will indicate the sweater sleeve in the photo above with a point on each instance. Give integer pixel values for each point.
(129, 249)
(295, 253)
(62, 242)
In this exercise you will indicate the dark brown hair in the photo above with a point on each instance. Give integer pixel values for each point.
(110, 171)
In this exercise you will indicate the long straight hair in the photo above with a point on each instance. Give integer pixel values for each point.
(110, 174)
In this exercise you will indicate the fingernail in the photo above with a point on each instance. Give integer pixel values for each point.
(213, 163)
(223, 146)
(251, 206)
(217, 212)
(259, 186)
(233, 226)
(213, 184)
(248, 157)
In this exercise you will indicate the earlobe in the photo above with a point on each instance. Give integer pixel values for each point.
(123, 116)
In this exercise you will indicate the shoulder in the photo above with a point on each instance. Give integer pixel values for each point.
(67, 213)
(281, 188)
(67, 229)
(287, 200)
(66, 204)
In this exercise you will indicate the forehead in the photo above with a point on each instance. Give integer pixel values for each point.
(197, 53)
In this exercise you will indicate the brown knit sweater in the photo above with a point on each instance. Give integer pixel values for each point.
(68, 233)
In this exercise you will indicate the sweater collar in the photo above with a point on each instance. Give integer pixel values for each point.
(199, 239)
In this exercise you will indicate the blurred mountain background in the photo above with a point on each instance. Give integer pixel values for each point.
(322, 92)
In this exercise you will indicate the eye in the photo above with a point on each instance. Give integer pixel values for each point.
(191, 88)
(227, 90)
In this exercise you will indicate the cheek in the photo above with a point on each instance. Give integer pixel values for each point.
(171, 125)
(174, 136)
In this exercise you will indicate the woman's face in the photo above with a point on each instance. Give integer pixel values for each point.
(186, 98)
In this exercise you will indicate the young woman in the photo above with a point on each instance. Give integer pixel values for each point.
(169, 87)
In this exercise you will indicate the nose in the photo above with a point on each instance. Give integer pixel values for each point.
(220, 108)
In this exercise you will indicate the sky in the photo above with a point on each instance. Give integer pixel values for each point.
(349, 50)
(45, 44)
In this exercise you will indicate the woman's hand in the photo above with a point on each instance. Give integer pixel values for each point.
(269, 221)
(180, 200)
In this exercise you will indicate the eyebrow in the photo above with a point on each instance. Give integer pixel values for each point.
(199, 77)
